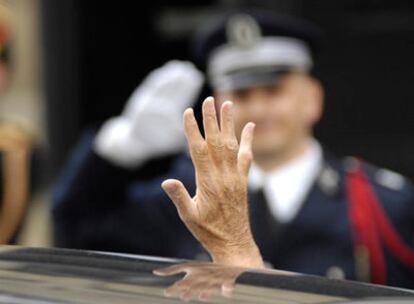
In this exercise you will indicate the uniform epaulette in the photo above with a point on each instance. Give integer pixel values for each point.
(380, 176)
(329, 180)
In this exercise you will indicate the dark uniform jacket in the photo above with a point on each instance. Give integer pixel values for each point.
(99, 206)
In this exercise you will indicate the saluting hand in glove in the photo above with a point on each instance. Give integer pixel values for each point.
(150, 124)
(218, 213)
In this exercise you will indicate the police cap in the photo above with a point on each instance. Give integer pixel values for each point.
(250, 47)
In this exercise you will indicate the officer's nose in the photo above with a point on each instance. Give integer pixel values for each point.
(258, 105)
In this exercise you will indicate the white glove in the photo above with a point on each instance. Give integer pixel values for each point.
(151, 123)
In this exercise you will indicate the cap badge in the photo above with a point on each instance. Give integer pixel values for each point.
(243, 31)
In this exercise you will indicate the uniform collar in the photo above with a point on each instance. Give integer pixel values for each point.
(286, 187)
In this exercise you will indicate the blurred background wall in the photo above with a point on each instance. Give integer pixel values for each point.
(96, 52)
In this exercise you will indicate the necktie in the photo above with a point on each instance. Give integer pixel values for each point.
(266, 228)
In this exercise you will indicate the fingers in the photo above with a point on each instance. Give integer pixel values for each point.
(193, 287)
(227, 120)
(245, 154)
(220, 145)
(228, 134)
(191, 128)
(196, 142)
(211, 130)
(221, 142)
(180, 197)
(177, 288)
(205, 295)
(211, 127)
(227, 288)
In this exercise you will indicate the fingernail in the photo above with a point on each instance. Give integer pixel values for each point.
(208, 105)
(210, 101)
(169, 186)
(228, 104)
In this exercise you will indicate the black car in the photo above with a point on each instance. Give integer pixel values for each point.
(50, 275)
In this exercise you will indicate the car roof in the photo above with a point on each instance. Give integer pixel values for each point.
(52, 275)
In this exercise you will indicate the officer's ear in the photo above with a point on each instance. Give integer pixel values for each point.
(315, 95)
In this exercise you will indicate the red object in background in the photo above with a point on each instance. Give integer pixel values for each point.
(4, 35)
(371, 227)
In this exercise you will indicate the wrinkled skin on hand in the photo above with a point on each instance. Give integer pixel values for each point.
(201, 280)
(218, 214)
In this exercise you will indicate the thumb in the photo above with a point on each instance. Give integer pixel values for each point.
(170, 270)
(180, 197)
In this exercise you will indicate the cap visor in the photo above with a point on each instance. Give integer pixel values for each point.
(248, 78)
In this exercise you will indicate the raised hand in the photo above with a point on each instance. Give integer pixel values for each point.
(218, 214)
(150, 125)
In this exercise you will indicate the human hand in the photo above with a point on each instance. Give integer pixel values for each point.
(201, 280)
(150, 124)
(218, 215)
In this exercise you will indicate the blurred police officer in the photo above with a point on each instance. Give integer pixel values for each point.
(310, 212)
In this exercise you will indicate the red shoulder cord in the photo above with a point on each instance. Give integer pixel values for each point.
(371, 227)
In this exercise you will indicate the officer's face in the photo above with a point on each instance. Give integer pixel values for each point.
(284, 112)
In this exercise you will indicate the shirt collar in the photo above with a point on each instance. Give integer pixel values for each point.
(286, 187)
